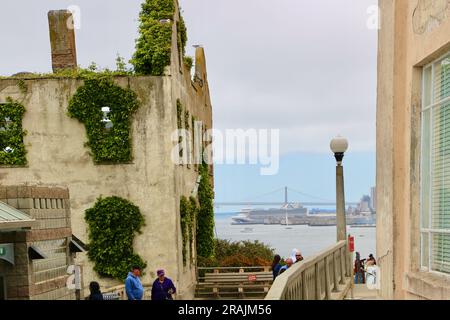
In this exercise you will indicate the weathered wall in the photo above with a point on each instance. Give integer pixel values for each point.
(195, 98)
(413, 33)
(57, 156)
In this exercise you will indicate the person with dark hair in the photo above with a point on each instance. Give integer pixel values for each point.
(133, 285)
(276, 265)
(96, 294)
(163, 287)
(372, 259)
(358, 269)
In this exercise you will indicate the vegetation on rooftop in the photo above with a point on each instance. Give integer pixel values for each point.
(154, 45)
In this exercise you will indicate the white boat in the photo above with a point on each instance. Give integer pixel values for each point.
(285, 207)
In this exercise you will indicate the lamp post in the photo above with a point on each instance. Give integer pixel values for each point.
(339, 145)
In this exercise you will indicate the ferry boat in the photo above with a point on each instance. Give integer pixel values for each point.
(270, 216)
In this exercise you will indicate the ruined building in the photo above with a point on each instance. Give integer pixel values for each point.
(58, 158)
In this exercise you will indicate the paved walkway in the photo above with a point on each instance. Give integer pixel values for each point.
(361, 292)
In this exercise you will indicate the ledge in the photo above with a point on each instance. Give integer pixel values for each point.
(428, 285)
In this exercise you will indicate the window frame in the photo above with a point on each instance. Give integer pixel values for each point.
(433, 105)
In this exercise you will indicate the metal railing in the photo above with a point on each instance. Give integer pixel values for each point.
(202, 271)
(120, 292)
(325, 276)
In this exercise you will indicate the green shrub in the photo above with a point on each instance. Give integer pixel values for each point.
(107, 145)
(11, 134)
(154, 45)
(238, 254)
(112, 225)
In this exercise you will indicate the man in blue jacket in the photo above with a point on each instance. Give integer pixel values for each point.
(133, 285)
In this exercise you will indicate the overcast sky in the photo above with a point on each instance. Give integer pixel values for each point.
(306, 67)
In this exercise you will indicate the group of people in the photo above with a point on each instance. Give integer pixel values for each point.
(277, 266)
(364, 269)
(162, 288)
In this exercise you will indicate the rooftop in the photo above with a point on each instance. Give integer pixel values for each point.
(11, 218)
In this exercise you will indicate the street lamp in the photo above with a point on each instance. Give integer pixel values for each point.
(339, 145)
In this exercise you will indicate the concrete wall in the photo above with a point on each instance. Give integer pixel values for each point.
(57, 157)
(410, 37)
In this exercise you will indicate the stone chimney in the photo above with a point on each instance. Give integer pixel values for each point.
(62, 39)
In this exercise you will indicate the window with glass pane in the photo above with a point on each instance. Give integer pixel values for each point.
(435, 167)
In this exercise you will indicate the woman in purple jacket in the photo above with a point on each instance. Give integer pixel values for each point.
(163, 287)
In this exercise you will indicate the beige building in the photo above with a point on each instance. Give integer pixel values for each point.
(413, 149)
(57, 155)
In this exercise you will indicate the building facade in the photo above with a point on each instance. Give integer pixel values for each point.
(413, 108)
(57, 155)
(36, 231)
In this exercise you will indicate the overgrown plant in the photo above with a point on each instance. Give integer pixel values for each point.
(154, 45)
(188, 62)
(12, 148)
(108, 145)
(205, 221)
(180, 125)
(182, 36)
(238, 254)
(121, 65)
(188, 212)
(112, 225)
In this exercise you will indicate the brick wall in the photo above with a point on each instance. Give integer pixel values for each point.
(43, 279)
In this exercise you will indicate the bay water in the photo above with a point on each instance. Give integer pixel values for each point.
(309, 240)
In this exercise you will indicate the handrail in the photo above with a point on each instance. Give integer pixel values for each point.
(232, 268)
(121, 292)
(315, 277)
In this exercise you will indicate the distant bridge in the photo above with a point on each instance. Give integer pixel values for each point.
(251, 201)
(224, 204)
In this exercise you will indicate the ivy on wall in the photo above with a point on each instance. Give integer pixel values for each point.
(194, 217)
(12, 148)
(180, 125)
(187, 124)
(154, 45)
(188, 62)
(205, 220)
(188, 212)
(108, 145)
(112, 225)
(182, 36)
(179, 114)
